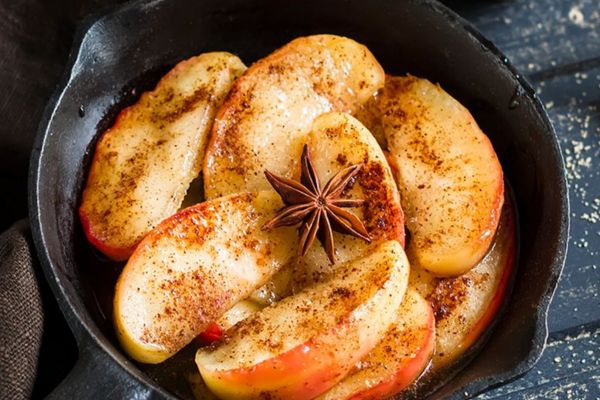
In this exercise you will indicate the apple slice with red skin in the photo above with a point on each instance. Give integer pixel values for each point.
(267, 116)
(194, 267)
(449, 177)
(398, 359)
(338, 140)
(466, 305)
(143, 165)
(240, 311)
(302, 345)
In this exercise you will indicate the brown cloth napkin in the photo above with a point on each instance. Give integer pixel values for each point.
(37, 348)
(21, 314)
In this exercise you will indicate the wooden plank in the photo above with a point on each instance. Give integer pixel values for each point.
(569, 369)
(573, 105)
(537, 35)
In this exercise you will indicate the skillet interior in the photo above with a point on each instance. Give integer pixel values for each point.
(130, 48)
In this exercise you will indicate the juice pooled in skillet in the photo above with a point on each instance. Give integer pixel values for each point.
(290, 281)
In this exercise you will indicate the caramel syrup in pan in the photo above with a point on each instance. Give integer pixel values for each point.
(179, 374)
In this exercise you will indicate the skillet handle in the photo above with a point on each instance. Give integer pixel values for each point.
(97, 376)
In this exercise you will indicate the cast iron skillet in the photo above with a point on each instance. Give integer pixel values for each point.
(121, 53)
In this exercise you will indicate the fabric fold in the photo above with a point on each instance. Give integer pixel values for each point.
(21, 314)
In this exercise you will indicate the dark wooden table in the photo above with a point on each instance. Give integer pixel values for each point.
(555, 43)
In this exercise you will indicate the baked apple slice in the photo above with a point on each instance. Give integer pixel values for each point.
(304, 344)
(449, 176)
(144, 164)
(398, 359)
(264, 121)
(240, 311)
(237, 313)
(195, 266)
(465, 306)
(338, 140)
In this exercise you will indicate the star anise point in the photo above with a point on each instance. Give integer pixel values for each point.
(319, 209)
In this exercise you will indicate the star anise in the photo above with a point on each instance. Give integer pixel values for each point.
(321, 211)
